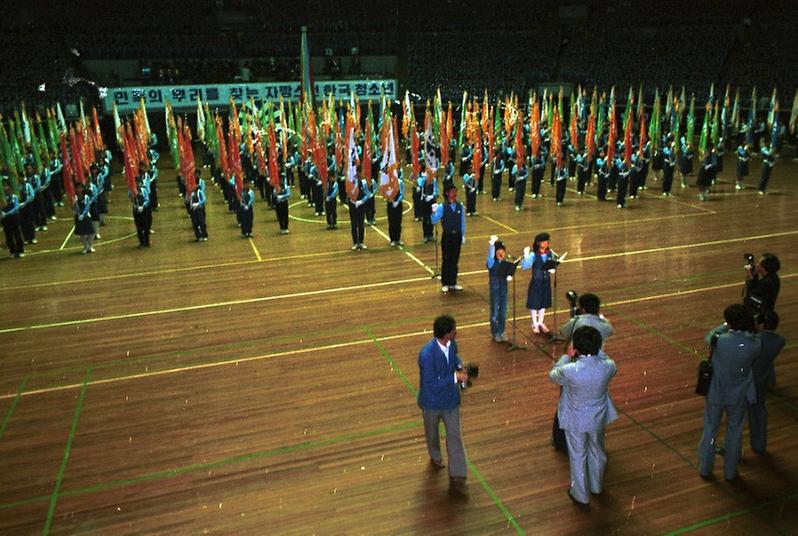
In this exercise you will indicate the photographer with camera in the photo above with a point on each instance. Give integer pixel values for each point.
(731, 388)
(762, 282)
(441, 378)
(586, 314)
(584, 410)
(764, 378)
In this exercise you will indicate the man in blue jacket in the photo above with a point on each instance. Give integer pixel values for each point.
(439, 397)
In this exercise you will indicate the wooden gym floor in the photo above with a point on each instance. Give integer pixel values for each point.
(267, 385)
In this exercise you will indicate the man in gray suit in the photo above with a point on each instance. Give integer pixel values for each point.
(764, 378)
(585, 409)
(731, 388)
(589, 315)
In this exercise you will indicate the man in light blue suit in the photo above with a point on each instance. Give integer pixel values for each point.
(585, 409)
(731, 388)
(439, 397)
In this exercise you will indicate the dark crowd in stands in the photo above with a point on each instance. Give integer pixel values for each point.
(456, 46)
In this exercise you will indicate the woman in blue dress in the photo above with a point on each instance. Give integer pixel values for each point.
(539, 293)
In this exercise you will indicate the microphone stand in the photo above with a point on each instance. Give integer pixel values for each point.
(514, 346)
(435, 273)
(554, 335)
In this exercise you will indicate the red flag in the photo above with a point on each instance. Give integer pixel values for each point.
(76, 156)
(612, 135)
(274, 171)
(534, 128)
(261, 154)
(590, 137)
(98, 135)
(643, 138)
(67, 174)
(223, 161)
(130, 169)
(477, 154)
(556, 136)
(520, 157)
(365, 163)
(415, 146)
(627, 140)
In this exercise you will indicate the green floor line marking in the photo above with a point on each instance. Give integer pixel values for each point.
(67, 448)
(12, 408)
(473, 468)
(730, 515)
(656, 332)
(177, 471)
(496, 500)
(658, 438)
(392, 363)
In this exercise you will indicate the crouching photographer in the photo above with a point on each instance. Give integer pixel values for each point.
(761, 282)
(585, 311)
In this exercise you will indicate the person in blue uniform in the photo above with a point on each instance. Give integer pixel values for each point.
(316, 189)
(635, 175)
(417, 186)
(769, 157)
(441, 372)
(539, 291)
(331, 203)
(448, 174)
(731, 388)
(246, 209)
(394, 210)
(27, 194)
(371, 203)
(685, 161)
(766, 322)
(56, 180)
(451, 214)
(497, 283)
(496, 175)
(83, 224)
(720, 151)
(743, 154)
(10, 219)
(466, 158)
(357, 214)
(197, 212)
(520, 173)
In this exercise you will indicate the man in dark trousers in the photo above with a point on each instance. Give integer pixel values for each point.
(764, 378)
(452, 217)
(440, 373)
(762, 283)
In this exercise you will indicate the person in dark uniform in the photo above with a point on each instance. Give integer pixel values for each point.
(603, 166)
(706, 173)
(685, 161)
(429, 193)
(538, 164)
(27, 195)
(768, 161)
(539, 292)
(331, 203)
(520, 175)
(245, 209)
(197, 212)
(496, 175)
(10, 217)
(582, 172)
(635, 175)
(142, 215)
(470, 186)
(762, 283)
(281, 198)
(668, 168)
(743, 156)
(764, 372)
(562, 182)
(394, 210)
(451, 214)
(623, 181)
(357, 214)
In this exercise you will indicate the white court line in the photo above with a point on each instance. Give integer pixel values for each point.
(255, 249)
(499, 223)
(64, 243)
(405, 251)
(301, 351)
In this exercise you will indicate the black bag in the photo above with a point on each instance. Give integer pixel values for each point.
(558, 436)
(705, 369)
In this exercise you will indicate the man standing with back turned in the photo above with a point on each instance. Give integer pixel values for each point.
(439, 398)
(585, 410)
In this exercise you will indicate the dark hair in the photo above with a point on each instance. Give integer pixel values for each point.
(541, 237)
(499, 245)
(769, 318)
(443, 325)
(589, 303)
(770, 263)
(739, 317)
(587, 340)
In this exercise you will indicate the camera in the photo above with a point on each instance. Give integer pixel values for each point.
(749, 261)
(473, 373)
(572, 298)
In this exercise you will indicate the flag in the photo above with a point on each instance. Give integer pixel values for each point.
(200, 120)
(477, 154)
(520, 154)
(751, 118)
(352, 183)
(274, 172)
(613, 129)
(714, 127)
(462, 120)
(430, 159)
(690, 132)
(67, 174)
(654, 129)
(306, 94)
(556, 137)
(773, 110)
(735, 115)
(445, 139)
(534, 127)
(389, 178)
(794, 113)
(574, 127)
(590, 135)
(117, 129)
(407, 116)
(130, 168)
(702, 142)
(627, 140)
(415, 148)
